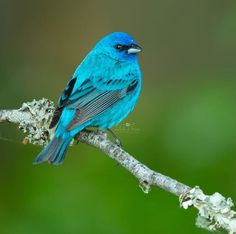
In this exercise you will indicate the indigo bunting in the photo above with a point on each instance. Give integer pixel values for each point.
(101, 93)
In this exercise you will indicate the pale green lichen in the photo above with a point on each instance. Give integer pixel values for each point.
(37, 125)
(214, 210)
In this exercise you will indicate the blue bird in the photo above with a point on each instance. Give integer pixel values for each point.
(101, 93)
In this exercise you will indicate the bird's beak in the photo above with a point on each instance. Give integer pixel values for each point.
(134, 49)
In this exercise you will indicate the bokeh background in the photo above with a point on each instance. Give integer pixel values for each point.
(183, 126)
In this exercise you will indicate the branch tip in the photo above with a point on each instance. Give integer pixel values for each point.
(214, 211)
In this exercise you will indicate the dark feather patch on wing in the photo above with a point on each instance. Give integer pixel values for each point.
(62, 102)
(132, 85)
(56, 117)
(67, 92)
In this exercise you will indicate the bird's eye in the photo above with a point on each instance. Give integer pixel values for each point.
(118, 47)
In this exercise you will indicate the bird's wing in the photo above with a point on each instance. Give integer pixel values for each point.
(90, 101)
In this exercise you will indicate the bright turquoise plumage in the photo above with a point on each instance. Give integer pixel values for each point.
(103, 90)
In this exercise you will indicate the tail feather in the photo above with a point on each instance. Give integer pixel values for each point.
(54, 152)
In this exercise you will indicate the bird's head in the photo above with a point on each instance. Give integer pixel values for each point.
(119, 46)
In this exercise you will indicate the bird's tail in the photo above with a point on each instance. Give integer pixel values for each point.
(54, 152)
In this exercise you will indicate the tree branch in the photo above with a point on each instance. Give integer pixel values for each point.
(214, 211)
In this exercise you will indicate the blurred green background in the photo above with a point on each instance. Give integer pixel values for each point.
(183, 126)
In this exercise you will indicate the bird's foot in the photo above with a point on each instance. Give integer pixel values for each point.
(116, 139)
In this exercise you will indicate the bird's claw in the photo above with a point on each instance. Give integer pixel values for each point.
(117, 141)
